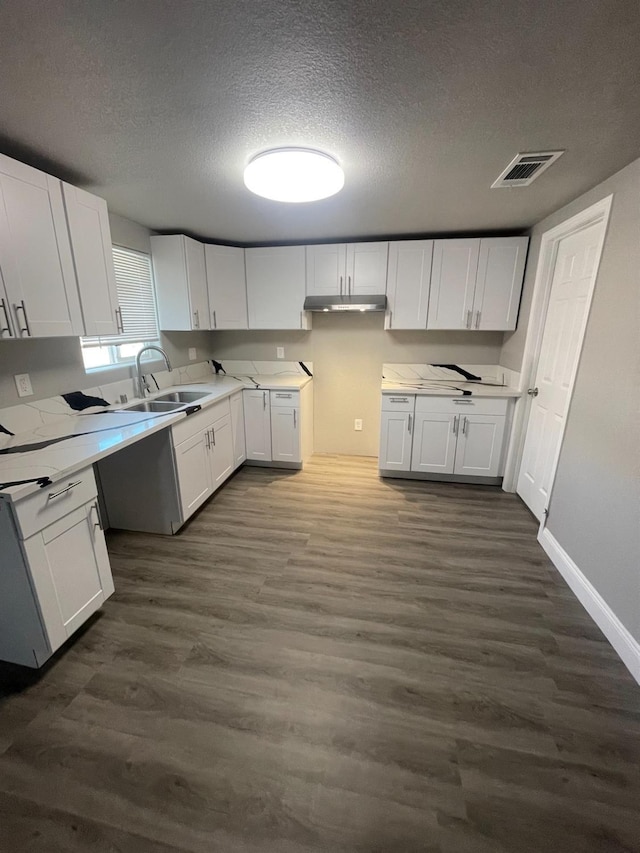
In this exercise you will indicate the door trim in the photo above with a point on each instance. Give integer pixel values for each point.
(595, 214)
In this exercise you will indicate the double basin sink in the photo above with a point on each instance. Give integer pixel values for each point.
(166, 403)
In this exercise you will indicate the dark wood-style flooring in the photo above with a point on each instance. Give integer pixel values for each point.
(323, 661)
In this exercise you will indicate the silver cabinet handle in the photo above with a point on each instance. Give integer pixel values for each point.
(68, 488)
(454, 428)
(465, 421)
(207, 440)
(409, 424)
(477, 319)
(295, 421)
(341, 277)
(468, 323)
(213, 436)
(215, 324)
(119, 323)
(349, 278)
(97, 523)
(264, 399)
(22, 308)
(196, 320)
(464, 402)
(7, 327)
(390, 317)
(284, 396)
(398, 399)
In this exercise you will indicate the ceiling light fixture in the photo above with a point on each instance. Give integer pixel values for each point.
(294, 175)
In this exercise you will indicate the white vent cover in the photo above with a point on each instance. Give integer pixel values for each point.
(525, 168)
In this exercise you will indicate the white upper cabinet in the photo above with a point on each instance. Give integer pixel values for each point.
(88, 221)
(326, 269)
(181, 283)
(276, 287)
(40, 297)
(227, 287)
(408, 281)
(476, 283)
(499, 282)
(453, 281)
(346, 269)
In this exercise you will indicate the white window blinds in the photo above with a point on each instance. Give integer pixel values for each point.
(136, 297)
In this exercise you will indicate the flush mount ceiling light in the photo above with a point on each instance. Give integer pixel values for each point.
(294, 175)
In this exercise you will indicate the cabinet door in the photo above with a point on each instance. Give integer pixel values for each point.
(35, 254)
(197, 283)
(434, 443)
(257, 424)
(275, 287)
(285, 434)
(326, 269)
(408, 283)
(395, 441)
(90, 235)
(227, 286)
(221, 451)
(237, 429)
(499, 282)
(70, 570)
(366, 268)
(453, 280)
(194, 473)
(479, 450)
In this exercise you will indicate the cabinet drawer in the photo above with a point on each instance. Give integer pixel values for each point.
(462, 405)
(194, 424)
(285, 398)
(54, 502)
(398, 402)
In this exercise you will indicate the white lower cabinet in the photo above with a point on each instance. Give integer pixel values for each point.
(456, 437)
(257, 425)
(279, 426)
(285, 435)
(54, 568)
(204, 455)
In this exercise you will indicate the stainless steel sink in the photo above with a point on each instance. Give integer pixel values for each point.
(181, 396)
(163, 407)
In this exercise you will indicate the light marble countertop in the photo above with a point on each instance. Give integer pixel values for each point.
(92, 435)
(447, 388)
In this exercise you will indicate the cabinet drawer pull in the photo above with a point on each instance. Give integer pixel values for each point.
(22, 308)
(68, 488)
(7, 327)
(468, 323)
(398, 399)
(464, 402)
(285, 396)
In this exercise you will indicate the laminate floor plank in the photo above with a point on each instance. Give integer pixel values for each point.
(328, 662)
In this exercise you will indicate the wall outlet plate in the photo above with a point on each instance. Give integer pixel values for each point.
(279, 352)
(357, 424)
(23, 384)
(193, 353)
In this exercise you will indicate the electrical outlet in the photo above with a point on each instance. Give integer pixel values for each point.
(193, 353)
(23, 384)
(357, 424)
(279, 352)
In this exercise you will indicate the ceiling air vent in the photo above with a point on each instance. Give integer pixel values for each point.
(525, 168)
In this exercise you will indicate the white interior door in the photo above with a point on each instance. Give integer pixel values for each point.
(573, 277)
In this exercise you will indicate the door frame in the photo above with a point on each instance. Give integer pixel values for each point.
(595, 214)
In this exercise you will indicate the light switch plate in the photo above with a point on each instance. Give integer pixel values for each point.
(23, 384)
(193, 354)
(279, 352)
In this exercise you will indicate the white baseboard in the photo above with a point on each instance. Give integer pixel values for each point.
(624, 644)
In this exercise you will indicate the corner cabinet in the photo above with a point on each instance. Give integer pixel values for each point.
(38, 293)
(181, 283)
(443, 438)
(476, 283)
(90, 234)
(276, 287)
(54, 568)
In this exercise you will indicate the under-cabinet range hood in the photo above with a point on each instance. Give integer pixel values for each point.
(377, 302)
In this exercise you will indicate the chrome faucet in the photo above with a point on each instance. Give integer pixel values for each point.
(142, 382)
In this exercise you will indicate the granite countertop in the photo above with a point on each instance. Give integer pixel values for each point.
(447, 388)
(75, 441)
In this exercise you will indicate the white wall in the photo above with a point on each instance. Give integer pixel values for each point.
(594, 511)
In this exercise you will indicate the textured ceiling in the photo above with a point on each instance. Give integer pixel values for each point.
(158, 104)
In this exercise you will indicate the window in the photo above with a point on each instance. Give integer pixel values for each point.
(137, 300)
